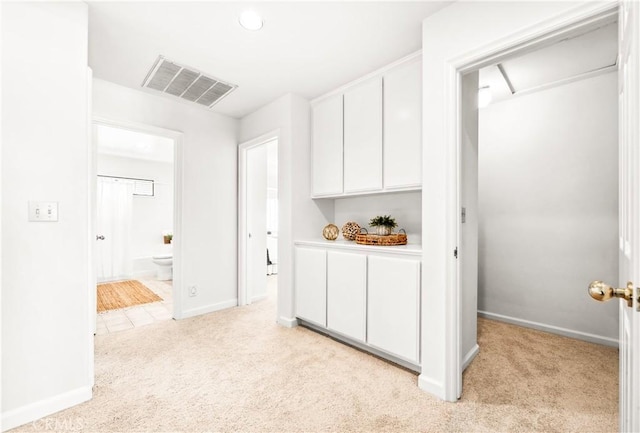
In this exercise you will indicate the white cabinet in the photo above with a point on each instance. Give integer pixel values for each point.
(367, 296)
(363, 137)
(367, 138)
(393, 299)
(403, 126)
(311, 285)
(346, 293)
(327, 147)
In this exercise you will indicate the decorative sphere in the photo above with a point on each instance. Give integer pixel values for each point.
(350, 230)
(330, 232)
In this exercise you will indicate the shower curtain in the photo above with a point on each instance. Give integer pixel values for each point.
(114, 203)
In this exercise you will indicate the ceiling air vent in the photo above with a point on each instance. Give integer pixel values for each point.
(186, 83)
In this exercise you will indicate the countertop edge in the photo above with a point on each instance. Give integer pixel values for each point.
(406, 250)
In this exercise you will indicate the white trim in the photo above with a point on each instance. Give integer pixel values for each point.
(403, 250)
(92, 310)
(374, 74)
(565, 332)
(365, 193)
(258, 298)
(428, 384)
(288, 322)
(520, 41)
(406, 363)
(178, 192)
(210, 308)
(470, 356)
(34, 411)
(243, 291)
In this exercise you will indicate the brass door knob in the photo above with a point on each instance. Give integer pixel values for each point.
(603, 292)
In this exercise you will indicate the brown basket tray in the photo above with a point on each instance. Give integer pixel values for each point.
(389, 240)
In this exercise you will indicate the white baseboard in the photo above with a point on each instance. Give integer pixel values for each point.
(209, 308)
(34, 411)
(470, 356)
(571, 333)
(144, 274)
(288, 322)
(258, 298)
(431, 386)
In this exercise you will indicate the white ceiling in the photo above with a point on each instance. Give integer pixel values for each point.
(306, 48)
(131, 144)
(564, 60)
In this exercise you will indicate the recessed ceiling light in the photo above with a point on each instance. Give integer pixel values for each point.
(251, 20)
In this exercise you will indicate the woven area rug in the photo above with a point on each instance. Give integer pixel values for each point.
(123, 294)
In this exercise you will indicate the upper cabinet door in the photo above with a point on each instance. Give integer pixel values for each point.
(327, 147)
(363, 137)
(403, 126)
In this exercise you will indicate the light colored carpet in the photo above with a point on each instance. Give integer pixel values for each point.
(123, 294)
(236, 370)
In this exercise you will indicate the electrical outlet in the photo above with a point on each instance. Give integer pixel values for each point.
(193, 291)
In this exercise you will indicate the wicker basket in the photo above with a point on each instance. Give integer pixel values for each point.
(388, 240)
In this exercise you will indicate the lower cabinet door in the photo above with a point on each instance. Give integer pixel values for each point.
(347, 293)
(311, 285)
(393, 306)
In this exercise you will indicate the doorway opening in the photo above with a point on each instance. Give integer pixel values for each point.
(136, 223)
(258, 216)
(535, 225)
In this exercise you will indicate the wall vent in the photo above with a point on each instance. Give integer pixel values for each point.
(187, 83)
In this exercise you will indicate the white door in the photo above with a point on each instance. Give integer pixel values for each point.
(114, 201)
(256, 207)
(393, 306)
(327, 146)
(347, 293)
(311, 285)
(629, 154)
(629, 214)
(363, 137)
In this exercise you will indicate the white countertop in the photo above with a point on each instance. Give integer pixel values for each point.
(409, 249)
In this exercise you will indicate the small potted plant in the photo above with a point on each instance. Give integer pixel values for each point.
(383, 224)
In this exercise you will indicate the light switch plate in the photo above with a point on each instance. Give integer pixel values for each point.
(43, 211)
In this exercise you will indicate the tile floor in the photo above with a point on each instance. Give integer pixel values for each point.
(140, 315)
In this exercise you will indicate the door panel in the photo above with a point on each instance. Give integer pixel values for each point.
(311, 285)
(256, 222)
(346, 293)
(363, 137)
(403, 126)
(327, 146)
(629, 139)
(393, 301)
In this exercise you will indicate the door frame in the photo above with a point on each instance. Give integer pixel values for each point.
(244, 297)
(447, 385)
(178, 182)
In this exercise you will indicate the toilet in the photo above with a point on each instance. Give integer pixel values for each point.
(165, 266)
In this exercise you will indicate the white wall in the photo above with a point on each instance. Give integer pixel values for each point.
(47, 342)
(151, 215)
(549, 206)
(209, 197)
(405, 207)
(453, 33)
(300, 217)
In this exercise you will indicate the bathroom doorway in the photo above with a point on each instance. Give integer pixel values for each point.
(258, 220)
(136, 212)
